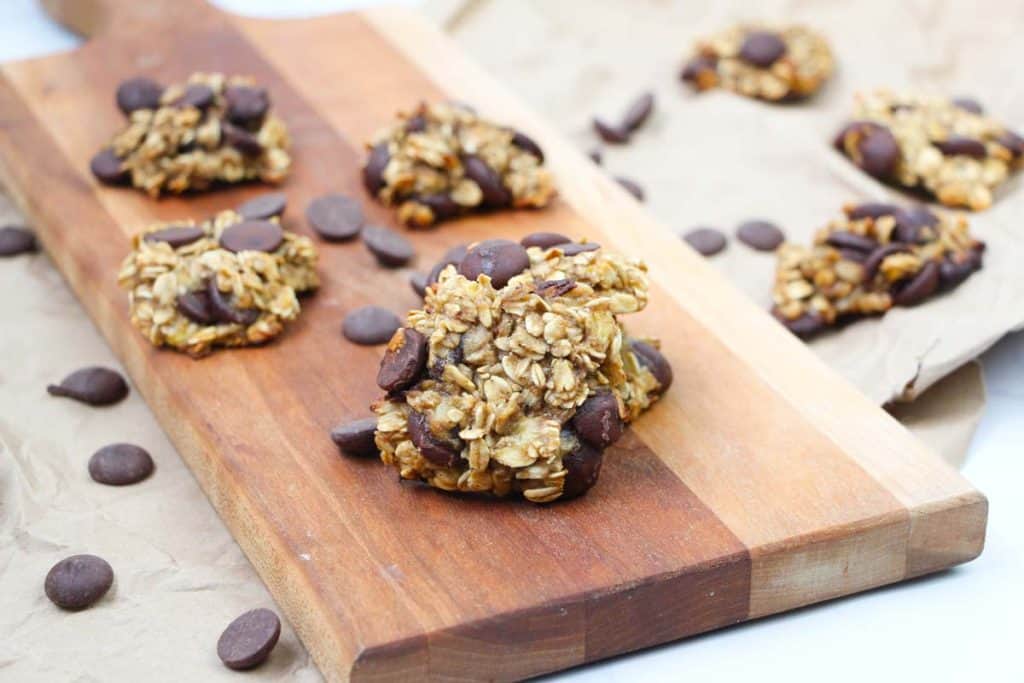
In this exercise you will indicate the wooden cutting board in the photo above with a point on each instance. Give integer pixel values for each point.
(762, 482)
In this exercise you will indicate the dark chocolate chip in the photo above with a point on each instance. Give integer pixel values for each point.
(241, 139)
(762, 48)
(598, 420)
(615, 135)
(879, 152)
(638, 112)
(596, 155)
(223, 309)
(549, 289)
(496, 195)
(843, 239)
(252, 235)
(441, 452)
(632, 186)
(108, 168)
(961, 145)
(93, 385)
(1011, 141)
(697, 67)
(356, 437)
(544, 240)
(370, 325)
(969, 104)
(248, 640)
(78, 581)
(335, 217)
(196, 307)
(120, 464)
(14, 241)
(403, 361)
(177, 235)
(807, 325)
(870, 210)
(573, 248)
(390, 248)
(854, 255)
(706, 241)
(246, 105)
(263, 206)
(911, 224)
(655, 361)
(500, 260)
(196, 95)
(373, 171)
(441, 205)
(760, 235)
(138, 93)
(876, 257)
(418, 282)
(953, 272)
(527, 144)
(416, 124)
(920, 287)
(583, 467)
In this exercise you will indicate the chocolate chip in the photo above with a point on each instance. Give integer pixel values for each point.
(638, 112)
(120, 464)
(653, 359)
(223, 308)
(583, 467)
(494, 191)
(1012, 142)
(78, 581)
(527, 144)
(241, 139)
(632, 186)
(335, 217)
(760, 235)
(953, 272)
(108, 168)
(138, 93)
(246, 105)
(911, 224)
(373, 171)
(14, 241)
(356, 437)
(248, 640)
(706, 241)
(441, 205)
(870, 210)
(876, 257)
(418, 282)
(573, 248)
(968, 104)
(196, 307)
(441, 452)
(416, 124)
(854, 255)
(452, 257)
(697, 67)
(807, 325)
(762, 48)
(263, 206)
(390, 248)
(961, 145)
(598, 420)
(879, 153)
(549, 289)
(370, 325)
(615, 135)
(93, 385)
(920, 287)
(177, 235)
(196, 95)
(404, 360)
(596, 155)
(500, 260)
(544, 240)
(843, 239)
(252, 235)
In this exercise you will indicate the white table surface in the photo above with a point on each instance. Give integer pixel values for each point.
(960, 625)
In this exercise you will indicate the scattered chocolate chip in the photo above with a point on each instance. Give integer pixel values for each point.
(177, 235)
(356, 437)
(452, 257)
(500, 260)
(697, 66)
(441, 452)
(373, 171)
(969, 104)
(655, 361)
(441, 205)
(920, 287)
(335, 217)
(760, 235)
(598, 420)
(120, 464)
(416, 124)
(806, 325)
(390, 248)
(93, 385)
(527, 144)
(843, 239)
(870, 210)
(107, 168)
(583, 467)
(1011, 141)
(632, 186)
(960, 145)
(246, 105)
(911, 224)
(223, 308)
(78, 581)
(879, 153)
(241, 139)
(495, 193)
(615, 135)
(638, 112)
(596, 155)
(418, 282)
(252, 235)
(196, 95)
(248, 640)
(370, 325)
(762, 48)
(138, 93)
(404, 360)
(876, 257)
(705, 241)
(14, 241)
(196, 307)
(573, 248)
(544, 240)
(263, 206)
(549, 289)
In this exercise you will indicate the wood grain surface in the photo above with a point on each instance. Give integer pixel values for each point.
(762, 482)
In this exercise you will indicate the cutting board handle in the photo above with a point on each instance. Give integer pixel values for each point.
(94, 18)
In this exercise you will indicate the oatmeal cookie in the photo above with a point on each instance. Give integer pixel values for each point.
(211, 129)
(773, 63)
(224, 282)
(873, 258)
(946, 148)
(442, 161)
(516, 374)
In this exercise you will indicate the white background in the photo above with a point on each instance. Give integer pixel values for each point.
(962, 625)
